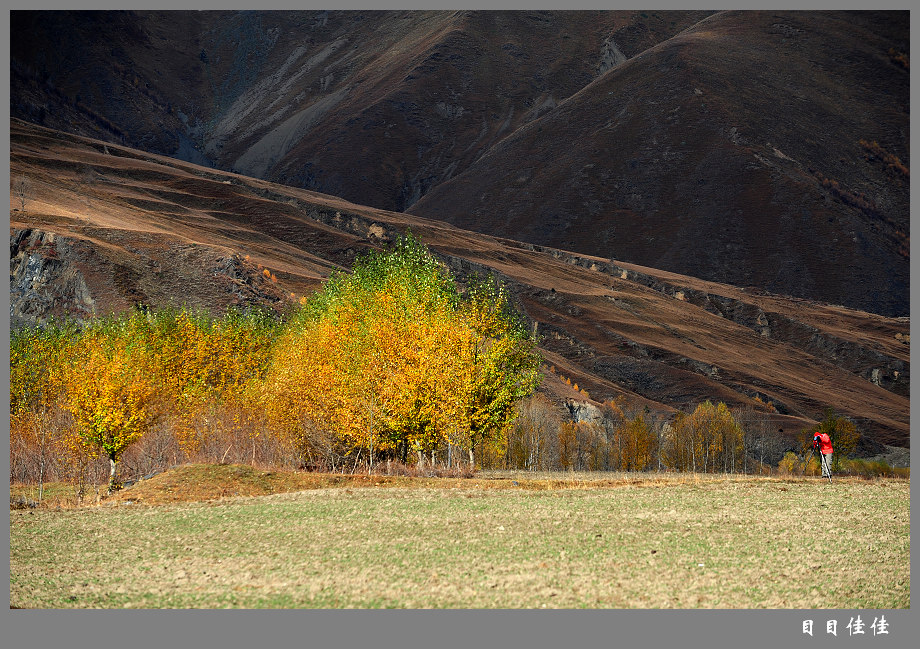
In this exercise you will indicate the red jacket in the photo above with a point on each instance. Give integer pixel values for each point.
(823, 440)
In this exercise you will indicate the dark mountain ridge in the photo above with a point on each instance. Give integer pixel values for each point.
(710, 155)
(765, 149)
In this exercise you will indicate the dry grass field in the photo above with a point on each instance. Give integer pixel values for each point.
(495, 541)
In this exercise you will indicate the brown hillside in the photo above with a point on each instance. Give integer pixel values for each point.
(764, 149)
(106, 227)
(301, 97)
(739, 150)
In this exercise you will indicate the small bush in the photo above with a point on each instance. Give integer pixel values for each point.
(873, 469)
(899, 58)
(793, 465)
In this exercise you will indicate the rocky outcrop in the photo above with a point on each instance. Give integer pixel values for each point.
(611, 56)
(243, 282)
(54, 276)
(584, 412)
(44, 281)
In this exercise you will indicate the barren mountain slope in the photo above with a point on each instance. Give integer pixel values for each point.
(749, 149)
(372, 106)
(753, 148)
(105, 227)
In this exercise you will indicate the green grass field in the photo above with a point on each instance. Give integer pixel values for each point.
(655, 542)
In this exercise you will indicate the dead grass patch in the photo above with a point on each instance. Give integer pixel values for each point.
(213, 482)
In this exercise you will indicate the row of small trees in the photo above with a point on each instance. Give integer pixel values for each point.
(618, 440)
(625, 438)
(392, 361)
(711, 438)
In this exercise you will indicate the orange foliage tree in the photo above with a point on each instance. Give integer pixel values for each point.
(636, 443)
(109, 394)
(707, 440)
(200, 363)
(393, 360)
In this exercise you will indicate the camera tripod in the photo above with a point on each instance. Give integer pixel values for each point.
(825, 469)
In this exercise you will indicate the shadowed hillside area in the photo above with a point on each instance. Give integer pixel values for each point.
(100, 228)
(758, 149)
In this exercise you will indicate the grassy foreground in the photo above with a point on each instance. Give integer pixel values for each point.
(623, 542)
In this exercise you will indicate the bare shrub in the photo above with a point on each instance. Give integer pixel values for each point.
(530, 443)
(227, 433)
(870, 469)
(397, 468)
(763, 443)
(22, 190)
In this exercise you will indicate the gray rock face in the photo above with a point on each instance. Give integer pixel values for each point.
(584, 412)
(44, 282)
(611, 56)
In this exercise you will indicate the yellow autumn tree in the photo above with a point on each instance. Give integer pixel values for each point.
(707, 440)
(634, 442)
(567, 445)
(35, 366)
(502, 366)
(198, 363)
(392, 360)
(37, 436)
(109, 393)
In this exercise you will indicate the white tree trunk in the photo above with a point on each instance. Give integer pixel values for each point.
(111, 473)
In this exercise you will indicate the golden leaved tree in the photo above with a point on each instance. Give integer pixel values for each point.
(636, 443)
(36, 385)
(109, 394)
(708, 440)
(200, 364)
(392, 359)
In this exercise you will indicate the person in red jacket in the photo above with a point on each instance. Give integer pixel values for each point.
(822, 445)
